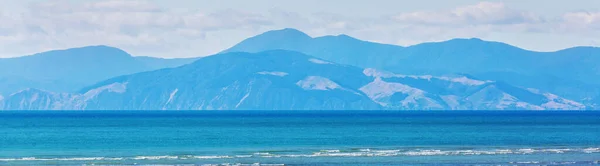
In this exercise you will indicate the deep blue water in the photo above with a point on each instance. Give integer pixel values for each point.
(299, 138)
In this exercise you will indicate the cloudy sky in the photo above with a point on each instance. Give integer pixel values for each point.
(190, 28)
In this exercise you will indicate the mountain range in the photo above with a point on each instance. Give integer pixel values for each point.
(289, 70)
(571, 72)
(287, 80)
(72, 69)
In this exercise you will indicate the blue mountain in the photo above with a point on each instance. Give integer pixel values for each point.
(154, 63)
(571, 73)
(72, 69)
(341, 49)
(287, 80)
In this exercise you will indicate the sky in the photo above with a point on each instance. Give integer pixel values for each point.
(193, 28)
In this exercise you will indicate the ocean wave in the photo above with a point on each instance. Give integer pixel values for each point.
(62, 159)
(429, 152)
(591, 150)
(154, 157)
(333, 153)
(214, 157)
(184, 157)
(240, 164)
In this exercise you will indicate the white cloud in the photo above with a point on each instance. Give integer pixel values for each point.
(478, 14)
(134, 25)
(482, 20)
(142, 28)
(63, 6)
(478, 20)
(582, 22)
(583, 17)
(227, 19)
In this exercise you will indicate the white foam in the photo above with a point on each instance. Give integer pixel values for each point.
(386, 151)
(241, 164)
(243, 156)
(528, 162)
(212, 157)
(261, 153)
(526, 151)
(335, 153)
(437, 152)
(155, 157)
(318, 61)
(60, 159)
(591, 150)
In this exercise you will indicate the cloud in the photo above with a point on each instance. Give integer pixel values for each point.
(482, 20)
(125, 15)
(63, 6)
(227, 19)
(488, 20)
(134, 25)
(143, 28)
(581, 21)
(483, 13)
(410, 28)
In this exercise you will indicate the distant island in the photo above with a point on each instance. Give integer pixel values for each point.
(289, 70)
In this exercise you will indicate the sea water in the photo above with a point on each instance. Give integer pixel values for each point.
(299, 138)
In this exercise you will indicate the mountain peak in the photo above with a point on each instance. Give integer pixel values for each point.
(96, 50)
(340, 36)
(465, 40)
(287, 33)
(470, 42)
(287, 39)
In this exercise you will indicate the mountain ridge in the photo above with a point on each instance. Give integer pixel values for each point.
(69, 69)
(287, 80)
(569, 73)
(563, 72)
(284, 31)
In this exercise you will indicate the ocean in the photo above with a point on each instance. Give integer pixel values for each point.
(300, 138)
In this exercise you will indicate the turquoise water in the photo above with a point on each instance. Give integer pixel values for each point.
(299, 138)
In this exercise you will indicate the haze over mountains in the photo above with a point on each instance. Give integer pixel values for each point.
(286, 80)
(289, 70)
(573, 72)
(72, 69)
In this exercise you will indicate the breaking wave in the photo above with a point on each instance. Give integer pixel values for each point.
(333, 153)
